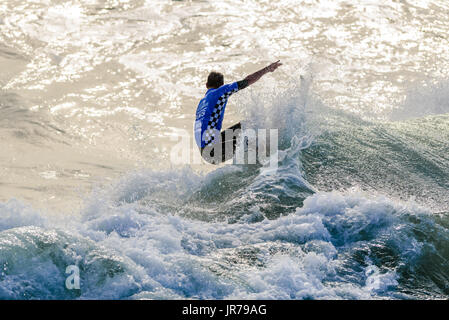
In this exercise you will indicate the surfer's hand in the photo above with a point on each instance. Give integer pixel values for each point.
(274, 66)
(252, 78)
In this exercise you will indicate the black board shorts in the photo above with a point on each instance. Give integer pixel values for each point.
(224, 149)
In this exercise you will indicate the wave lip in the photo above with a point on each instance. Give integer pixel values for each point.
(426, 100)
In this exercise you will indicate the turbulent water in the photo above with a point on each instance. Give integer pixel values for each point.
(94, 92)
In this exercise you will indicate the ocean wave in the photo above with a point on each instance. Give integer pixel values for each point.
(337, 245)
(241, 232)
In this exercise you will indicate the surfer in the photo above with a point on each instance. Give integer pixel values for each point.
(217, 146)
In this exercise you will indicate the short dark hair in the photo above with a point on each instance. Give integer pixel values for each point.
(215, 80)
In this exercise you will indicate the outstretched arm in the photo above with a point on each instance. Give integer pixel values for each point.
(252, 78)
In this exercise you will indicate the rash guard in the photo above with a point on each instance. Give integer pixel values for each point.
(210, 112)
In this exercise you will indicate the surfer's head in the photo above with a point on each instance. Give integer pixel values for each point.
(214, 80)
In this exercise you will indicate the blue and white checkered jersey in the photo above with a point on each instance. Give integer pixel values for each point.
(210, 113)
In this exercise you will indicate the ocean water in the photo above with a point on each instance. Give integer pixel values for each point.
(94, 93)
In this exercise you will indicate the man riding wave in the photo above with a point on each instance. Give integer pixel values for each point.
(217, 146)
